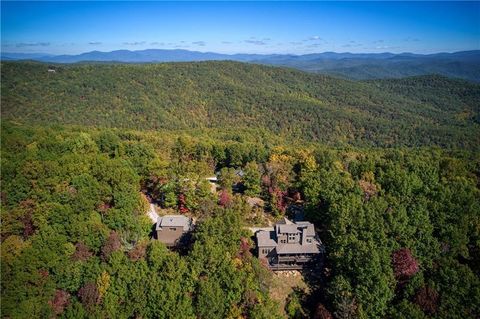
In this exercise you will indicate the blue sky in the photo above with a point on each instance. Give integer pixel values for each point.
(240, 27)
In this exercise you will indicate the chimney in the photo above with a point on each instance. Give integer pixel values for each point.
(304, 235)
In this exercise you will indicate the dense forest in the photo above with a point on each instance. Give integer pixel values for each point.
(401, 227)
(86, 147)
(417, 111)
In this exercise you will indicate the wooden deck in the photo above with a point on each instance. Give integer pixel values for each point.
(280, 267)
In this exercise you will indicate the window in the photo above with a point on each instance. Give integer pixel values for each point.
(172, 229)
(283, 241)
(309, 240)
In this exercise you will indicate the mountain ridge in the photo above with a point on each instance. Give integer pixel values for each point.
(189, 54)
(418, 111)
(358, 66)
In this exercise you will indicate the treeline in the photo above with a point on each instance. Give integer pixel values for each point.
(401, 226)
(219, 96)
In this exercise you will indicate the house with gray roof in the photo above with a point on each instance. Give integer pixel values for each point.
(172, 229)
(289, 245)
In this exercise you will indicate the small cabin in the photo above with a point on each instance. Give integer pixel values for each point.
(172, 229)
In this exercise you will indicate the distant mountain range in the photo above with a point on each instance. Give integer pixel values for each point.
(464, 64)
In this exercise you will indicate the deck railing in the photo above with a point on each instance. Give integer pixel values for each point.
(285, 267)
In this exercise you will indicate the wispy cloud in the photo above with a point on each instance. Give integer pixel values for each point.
(134, 43)
(379, 41)
(32, 44)
(295, 43)
(199, 43)
(94, 43)
(314, 45)
(386, 47)
(157, 43)
(226, 42)
(314, 38)
(256, 42)
(409, 39)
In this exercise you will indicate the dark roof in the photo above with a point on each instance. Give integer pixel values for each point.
(288, 229)
(313, 248)
(309, 228)
(266, 238)
(174, 221)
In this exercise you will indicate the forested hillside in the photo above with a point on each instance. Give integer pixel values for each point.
(426, 110)
(401, 226)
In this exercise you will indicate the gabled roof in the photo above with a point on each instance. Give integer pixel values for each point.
(174, 221)
(298, 248)
(266, 238)
(303, 223)
(309, 228)
(288, 229)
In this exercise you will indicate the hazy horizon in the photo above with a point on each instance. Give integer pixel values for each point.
(234, 53)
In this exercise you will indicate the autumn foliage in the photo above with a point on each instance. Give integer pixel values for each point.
(321, 312)
(278, 198)
(28, 227)
(404, 264)
(60, 301)
(244, 251)
(112, 244)
(427, 299)
(89, 295)
(81, 252)
(138, 252)
(182, 204)
(224, 198)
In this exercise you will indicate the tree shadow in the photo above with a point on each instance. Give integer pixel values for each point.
(315, 279)
(153, 232)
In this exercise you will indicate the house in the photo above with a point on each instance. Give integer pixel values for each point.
(172, 230)
(213, 180)
(289, 245)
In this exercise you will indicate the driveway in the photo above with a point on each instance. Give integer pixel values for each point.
(152, 213)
